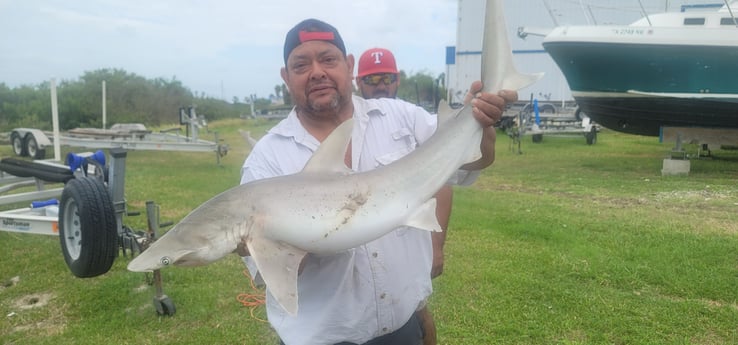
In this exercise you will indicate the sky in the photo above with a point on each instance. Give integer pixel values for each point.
(233, 48)
(223, 48)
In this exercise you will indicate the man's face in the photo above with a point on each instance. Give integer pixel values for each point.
(318, 76)
(383, 85)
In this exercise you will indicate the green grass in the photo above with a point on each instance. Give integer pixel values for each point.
(563, 244)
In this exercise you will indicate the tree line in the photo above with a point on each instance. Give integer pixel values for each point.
(134, 99)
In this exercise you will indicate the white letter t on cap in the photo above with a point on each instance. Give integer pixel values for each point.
(377, 57)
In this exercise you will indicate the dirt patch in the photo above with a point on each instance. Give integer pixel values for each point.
(9, 283)
(33, 301)
(52, 322)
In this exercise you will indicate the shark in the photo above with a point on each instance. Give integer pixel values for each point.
(327, 208)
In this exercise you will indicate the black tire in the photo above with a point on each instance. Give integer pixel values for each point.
(543, 108)
(537, 138)
(87, 227)
(591, 137)
(547, 108)
(19, 147)
(32, 147)
(164, 306)
(24, 168)
(578, 114)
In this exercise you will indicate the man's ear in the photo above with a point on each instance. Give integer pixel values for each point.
(350, 63)
(283, 73)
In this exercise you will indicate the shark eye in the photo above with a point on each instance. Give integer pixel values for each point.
(166, 261)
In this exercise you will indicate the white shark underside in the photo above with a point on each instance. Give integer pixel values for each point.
(326, 208)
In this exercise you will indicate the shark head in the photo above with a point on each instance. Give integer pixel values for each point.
(201, 247)
(153, 259)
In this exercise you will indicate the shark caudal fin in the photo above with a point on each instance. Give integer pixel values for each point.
(498, 69)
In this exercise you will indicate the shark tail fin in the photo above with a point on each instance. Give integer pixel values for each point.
(498, 68)
(519, 81)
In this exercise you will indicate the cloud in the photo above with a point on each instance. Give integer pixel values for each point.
(223, 48)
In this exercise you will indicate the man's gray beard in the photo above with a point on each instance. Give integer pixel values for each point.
(333, 105)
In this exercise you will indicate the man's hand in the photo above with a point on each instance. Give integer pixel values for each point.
(488, 107)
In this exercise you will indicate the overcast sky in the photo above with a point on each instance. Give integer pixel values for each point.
(220, 47)
(228, 48)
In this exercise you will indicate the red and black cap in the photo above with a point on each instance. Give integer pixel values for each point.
(311, 30)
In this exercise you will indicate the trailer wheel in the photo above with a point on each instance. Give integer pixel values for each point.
(164, 306)
(18, 146)
(32, 147)
(591, 136)
(87, 227)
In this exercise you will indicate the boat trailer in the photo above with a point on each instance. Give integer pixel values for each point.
(33, 142)
(546, 119)
(86, 213)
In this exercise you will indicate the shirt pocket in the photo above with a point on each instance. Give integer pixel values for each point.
(403, 143)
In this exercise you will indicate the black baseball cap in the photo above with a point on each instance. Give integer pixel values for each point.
(311, 30)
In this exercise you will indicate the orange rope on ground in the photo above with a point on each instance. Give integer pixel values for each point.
(252, 300)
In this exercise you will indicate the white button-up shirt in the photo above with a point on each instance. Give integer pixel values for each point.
(371, 290)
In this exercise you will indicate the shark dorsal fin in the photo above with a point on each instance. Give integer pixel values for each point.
(329, 157)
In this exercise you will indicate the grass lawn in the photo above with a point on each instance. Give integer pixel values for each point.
(565, 243)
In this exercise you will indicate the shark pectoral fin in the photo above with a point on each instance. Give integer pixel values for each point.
(424, 218)
(278, 264)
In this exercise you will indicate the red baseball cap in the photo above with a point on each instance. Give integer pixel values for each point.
(377, 60)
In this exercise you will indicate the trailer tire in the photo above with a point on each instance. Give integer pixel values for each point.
(25, 168)
(87, 227)
(164, 306)
(19, 147)
(591, 136)
(32, 147)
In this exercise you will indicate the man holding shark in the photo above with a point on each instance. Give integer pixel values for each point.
(368, 294)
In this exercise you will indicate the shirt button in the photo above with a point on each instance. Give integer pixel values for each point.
(375, 254)
(384, 329)
(383, 295)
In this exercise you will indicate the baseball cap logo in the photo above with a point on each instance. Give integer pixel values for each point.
(377, 57)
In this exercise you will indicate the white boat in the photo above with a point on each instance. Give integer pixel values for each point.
(674, 69)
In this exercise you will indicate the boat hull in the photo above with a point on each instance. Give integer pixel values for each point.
(639, 87)
(645, 115)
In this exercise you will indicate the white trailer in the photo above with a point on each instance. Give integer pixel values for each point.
(34, 142)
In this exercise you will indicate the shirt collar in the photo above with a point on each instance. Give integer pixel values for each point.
(291, 127)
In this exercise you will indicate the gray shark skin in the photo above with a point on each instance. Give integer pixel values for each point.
(326, 208)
